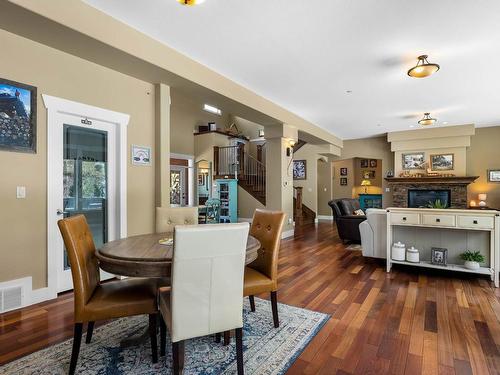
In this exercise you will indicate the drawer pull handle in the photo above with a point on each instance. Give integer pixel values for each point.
(404, 219)
(438, 220)
(475, 221)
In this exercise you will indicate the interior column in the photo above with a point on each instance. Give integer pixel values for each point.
(279, 175)
(162, 145)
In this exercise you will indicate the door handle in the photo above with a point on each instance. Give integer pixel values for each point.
(60, 212)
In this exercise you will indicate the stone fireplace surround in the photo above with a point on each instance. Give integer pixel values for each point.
(456, 185)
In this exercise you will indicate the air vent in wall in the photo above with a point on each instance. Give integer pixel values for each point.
(11, 298)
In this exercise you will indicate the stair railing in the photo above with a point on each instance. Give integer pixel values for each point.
(254, 173)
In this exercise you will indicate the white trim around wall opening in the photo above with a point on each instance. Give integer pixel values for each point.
(57, 108)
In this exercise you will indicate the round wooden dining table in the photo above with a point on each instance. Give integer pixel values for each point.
(145, 256)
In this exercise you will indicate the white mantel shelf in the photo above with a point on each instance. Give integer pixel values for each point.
(436, 222)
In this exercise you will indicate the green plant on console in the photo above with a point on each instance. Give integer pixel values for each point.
(437, 204)
(472, 256)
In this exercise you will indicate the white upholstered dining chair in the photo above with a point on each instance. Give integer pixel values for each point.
(207, 287)
(168, 217)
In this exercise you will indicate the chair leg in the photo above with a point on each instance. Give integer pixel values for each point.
(77, 340)
(239, 350)
(274, 306)
(90, 330)
(177, 357)
(252, 303)
(217, 337)
(227, 338)
(152, 334)
(163, 337)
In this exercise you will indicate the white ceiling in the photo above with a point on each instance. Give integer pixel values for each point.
(305, 55)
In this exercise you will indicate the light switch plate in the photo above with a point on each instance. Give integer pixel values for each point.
(387, 190)
(21, 192)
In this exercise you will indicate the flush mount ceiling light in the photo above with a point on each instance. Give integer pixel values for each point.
(423, 68)
(190, 2)
(427, 119)
(212, 109)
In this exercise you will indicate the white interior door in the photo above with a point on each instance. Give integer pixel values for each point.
(84, 180)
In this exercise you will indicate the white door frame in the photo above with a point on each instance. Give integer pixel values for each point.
(57, 109)
(189, 174)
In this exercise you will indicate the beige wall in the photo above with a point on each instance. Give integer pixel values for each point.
(309, 153)
(247, 204)
(370, 148)
(185, 116)
(23, 221)
(459, 159)
(325, 185)
(343, 191)
(484, 154)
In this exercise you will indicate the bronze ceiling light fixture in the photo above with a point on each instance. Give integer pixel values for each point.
(427, 119)
(190, 2)
(423, 68)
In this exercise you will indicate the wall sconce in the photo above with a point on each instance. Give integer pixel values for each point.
(261, 133)
(289, 150)
(482, 199)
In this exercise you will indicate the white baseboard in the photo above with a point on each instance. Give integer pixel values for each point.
(42, 294)
(324, 217)
(316, 220)
(288, 233)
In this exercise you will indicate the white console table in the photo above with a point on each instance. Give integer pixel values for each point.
(455, 230)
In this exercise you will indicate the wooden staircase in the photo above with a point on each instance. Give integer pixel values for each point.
(233, 161)
(301, 213)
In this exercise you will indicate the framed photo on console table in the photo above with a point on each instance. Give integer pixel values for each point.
(494, 175)
(439, 256)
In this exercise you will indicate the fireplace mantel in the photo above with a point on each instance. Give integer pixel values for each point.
(455, 180)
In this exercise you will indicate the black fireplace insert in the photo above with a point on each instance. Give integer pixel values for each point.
(420, 198)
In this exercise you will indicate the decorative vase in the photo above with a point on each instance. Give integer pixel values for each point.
(412, 255)
(471, 265)
(398, 251)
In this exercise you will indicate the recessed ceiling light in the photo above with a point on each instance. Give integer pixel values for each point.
(190, 2)
(348, 91)
(423, 68)
(212, 109)
(427, 119)
(412, 126)
(445, 122)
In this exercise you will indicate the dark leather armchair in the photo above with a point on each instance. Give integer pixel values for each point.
(347, 223)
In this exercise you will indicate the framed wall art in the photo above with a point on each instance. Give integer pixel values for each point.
(141, 155)
(17, 116)
(442, 162)
(494, 175)
(414, 160)
(299, 170)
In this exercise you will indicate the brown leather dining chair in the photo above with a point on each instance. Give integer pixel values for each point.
(261, 275)
(96, 301)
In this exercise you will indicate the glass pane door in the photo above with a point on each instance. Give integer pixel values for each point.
(85, 177)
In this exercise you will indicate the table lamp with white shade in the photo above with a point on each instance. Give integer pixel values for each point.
(482, 199)
(366, 183)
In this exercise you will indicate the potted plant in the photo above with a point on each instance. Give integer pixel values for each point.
(472, 259)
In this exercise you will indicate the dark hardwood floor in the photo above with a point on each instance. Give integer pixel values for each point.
(408, 322)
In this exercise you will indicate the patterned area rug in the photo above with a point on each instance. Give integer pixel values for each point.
(266, 350)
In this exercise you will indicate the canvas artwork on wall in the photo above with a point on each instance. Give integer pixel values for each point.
(494, 175)
(343, 171)
(299, 170)
(343, 181)
(413, 161)
(17, 116)
(442, 162)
